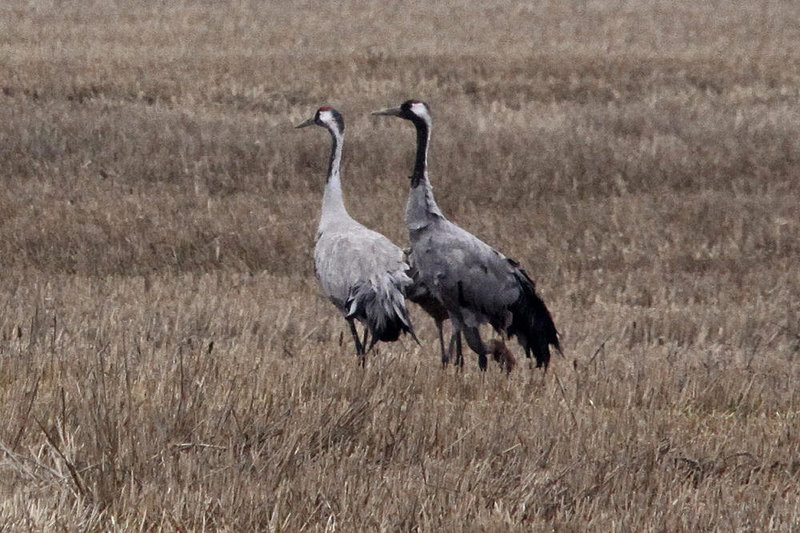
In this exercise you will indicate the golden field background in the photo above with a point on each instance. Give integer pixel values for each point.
(168, 364)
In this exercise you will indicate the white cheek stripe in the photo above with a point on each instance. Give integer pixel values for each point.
(421, 111)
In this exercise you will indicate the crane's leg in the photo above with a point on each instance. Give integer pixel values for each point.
(366, 337)
(455, 338)
(445, 354)
(455, 341)
(359, 346)
(473, 337)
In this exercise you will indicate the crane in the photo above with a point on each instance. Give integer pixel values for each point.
(475, 283)
(359, 270)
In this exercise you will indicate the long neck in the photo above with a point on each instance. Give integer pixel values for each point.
(421, 159)
(332, 201)
(421, 208)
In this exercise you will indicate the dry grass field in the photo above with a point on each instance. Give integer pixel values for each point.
(167, 362)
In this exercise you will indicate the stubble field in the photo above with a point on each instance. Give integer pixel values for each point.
(167, 362)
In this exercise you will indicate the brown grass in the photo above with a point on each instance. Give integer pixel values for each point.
(166, 360)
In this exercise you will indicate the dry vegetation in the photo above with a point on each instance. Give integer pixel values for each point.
(166, 361)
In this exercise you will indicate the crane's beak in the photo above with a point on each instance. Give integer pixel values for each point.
(309, 122)
(394, 111)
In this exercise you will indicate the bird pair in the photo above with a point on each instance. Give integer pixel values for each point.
(449, 272)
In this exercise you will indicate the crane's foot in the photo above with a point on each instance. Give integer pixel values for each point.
(502, 355)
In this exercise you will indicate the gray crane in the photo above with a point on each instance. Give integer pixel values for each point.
(473, 282)
(360, 270)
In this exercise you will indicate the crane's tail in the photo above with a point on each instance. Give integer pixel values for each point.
(379, 302)
(531, 322)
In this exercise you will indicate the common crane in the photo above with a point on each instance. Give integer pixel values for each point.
(475, 283)
(360, 270)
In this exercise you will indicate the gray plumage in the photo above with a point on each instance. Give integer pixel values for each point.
(472, 281)
(420, 294)
(359, 270)
(364, 275)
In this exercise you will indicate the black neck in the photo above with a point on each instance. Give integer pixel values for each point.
(335, 151)
(422, 152)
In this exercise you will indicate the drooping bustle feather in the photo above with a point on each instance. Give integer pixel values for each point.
(531, 321)
(381, 305)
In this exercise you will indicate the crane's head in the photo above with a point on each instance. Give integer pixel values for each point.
(414, 110)
(327, 117)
